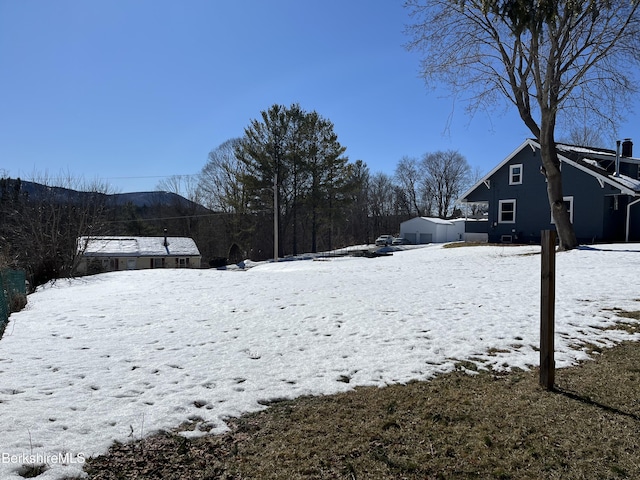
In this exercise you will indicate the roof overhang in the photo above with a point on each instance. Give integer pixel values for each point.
(600, 177)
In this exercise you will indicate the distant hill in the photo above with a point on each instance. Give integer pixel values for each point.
(149, 199)
(37, 191)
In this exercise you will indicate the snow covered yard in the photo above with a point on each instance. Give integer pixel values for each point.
(120, 355)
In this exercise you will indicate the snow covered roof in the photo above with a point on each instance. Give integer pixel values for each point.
(590, 159)
(437, 220)
(631, 183)
(590, 151)
(137, 246)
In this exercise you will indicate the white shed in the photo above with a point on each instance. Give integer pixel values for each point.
(420, 230)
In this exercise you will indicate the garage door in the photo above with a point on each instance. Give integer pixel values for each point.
(426, 238)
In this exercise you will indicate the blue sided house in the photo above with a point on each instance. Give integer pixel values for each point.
(601, 189)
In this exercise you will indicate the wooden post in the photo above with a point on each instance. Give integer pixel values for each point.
(547, 309)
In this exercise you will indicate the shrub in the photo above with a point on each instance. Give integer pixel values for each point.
(94, 267)
(17, 302)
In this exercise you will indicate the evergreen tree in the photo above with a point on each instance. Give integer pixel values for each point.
(297, 153)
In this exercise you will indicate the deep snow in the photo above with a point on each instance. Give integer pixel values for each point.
(120, 355)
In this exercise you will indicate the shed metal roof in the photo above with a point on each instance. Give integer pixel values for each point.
(436, 220)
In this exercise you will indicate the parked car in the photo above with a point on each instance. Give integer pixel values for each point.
(384, 240)
(400, 241)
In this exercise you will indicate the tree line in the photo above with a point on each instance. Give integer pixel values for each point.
(287, 157)
(290, 170)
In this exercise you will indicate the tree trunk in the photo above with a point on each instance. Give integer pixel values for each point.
(314, 229)
(551, 165)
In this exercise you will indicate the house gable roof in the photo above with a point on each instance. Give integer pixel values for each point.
(121, 246)
(527, 143)
(586, 159)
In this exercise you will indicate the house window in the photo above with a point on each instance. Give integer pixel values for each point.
(158, 263)
(515, 174)
(507, 211)
(568, 203)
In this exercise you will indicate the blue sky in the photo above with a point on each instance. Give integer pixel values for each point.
(130, 92)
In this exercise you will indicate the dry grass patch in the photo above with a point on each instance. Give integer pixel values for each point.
(471, 244)
(631, 326)
(456, 426)
(635, 315)
(484, 244)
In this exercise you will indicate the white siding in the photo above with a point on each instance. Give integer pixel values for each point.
(427, 229)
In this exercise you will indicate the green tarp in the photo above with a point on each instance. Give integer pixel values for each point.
(13, 283)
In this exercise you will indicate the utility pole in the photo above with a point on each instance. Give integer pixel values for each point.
(275, 216)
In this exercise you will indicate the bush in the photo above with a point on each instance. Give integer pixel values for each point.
(94, 267)
(17, 302)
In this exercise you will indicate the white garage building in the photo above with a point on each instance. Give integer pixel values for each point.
(421, 230)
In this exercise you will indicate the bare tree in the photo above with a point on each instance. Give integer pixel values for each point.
(446, 176)
(382, 202)
(585, 136)
(222, 189)
(549, 58)
(184, 185)
(474, 210)
(381, 195)
(408, 176)
(42, 220)
(184, 204)
(220, 183)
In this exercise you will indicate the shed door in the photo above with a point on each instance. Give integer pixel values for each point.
(426, 238)
(131, 263)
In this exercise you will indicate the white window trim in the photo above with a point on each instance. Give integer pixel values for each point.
(570, 200)
(511, 174)
(502, 202)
